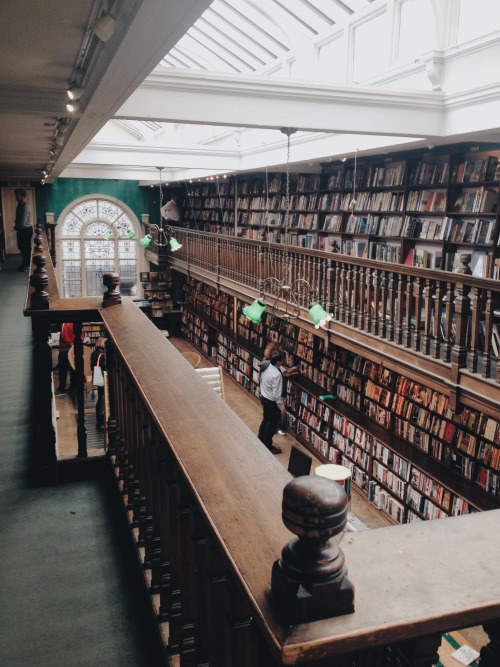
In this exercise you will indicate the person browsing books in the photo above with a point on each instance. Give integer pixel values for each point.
(273, 404)
(276, 346)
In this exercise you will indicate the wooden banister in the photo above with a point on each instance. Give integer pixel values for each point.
(204, 501)
(410, 581)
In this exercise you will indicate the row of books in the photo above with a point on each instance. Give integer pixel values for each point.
(427, 201)
(482, 200)
(278, 202)
(476, 170)
(210, 189)
(430, 173)
(424, 258)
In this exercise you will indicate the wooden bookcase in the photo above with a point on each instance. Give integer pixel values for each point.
(209, 206)
(421, 208)
(406, 450)
(158, 303)
(208, 312)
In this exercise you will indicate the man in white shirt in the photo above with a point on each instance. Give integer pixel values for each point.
(271, 385)
(170, 211)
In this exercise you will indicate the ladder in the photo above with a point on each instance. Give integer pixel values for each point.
(213, 377)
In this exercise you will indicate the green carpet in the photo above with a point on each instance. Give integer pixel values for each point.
(67, 573)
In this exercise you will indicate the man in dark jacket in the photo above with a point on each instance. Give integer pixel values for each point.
(24, 228)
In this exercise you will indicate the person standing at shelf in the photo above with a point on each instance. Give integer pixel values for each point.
(98, 358)
(271, 389)
(170, 211)
(23, 226)
(275, 346)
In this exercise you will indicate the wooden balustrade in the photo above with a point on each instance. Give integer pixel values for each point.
(204, 499)
(437, 314)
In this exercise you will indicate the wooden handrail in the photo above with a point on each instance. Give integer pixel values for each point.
(410, 580)
(445, 320)
(205, 498)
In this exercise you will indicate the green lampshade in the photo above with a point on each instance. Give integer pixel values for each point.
(319, 315)
(146, 241)
(254, 311)
(174, 244)
(108, 236)
(131, 234)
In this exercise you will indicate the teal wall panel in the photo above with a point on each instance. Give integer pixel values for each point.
(56, 196)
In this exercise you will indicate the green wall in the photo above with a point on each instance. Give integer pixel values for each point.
(56, 196)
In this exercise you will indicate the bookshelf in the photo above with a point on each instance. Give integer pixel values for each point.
(93, 331)
(413, 457)
(207, 312)
(209, 206)
(421, 208)
(158, 303)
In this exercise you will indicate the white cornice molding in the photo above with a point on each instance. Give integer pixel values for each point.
(473, 96)
(250, 85)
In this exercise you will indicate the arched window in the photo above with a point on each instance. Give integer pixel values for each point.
(97, 235)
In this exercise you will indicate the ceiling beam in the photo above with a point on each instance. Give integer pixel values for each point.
(251, 101)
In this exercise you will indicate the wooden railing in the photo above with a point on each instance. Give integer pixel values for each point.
(437, 316)
(204, 500)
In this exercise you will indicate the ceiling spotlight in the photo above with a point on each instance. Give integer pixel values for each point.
(73, 106)
(104, 26)
(74, 92)
(52, 152)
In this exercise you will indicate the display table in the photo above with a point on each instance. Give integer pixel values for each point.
(338, 474)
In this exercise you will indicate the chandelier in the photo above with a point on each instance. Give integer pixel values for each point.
(285, 296)
(162, 235)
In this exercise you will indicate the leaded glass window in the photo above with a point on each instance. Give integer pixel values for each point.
(97, 235)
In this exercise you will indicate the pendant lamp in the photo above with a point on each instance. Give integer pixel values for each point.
(254, 311)
(319, 315)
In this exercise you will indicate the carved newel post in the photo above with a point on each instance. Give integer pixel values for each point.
(112, 297)
(310, 582)
(38, 238)
(39, 280)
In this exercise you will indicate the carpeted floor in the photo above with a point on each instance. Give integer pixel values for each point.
(66, 570)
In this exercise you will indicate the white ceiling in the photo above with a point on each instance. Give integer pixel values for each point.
(41, 44)
(163, 93)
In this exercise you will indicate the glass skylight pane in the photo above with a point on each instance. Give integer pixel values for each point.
(251, 24)
(332, 61)
(210, 52)
(371, 48)
(242, 50)
(417, 31)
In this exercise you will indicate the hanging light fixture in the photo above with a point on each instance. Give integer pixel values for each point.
(75, 91)
(319, 315)
(105, 25)
(162, 235)
(285, 296)
(254, 311)
(72, 106)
